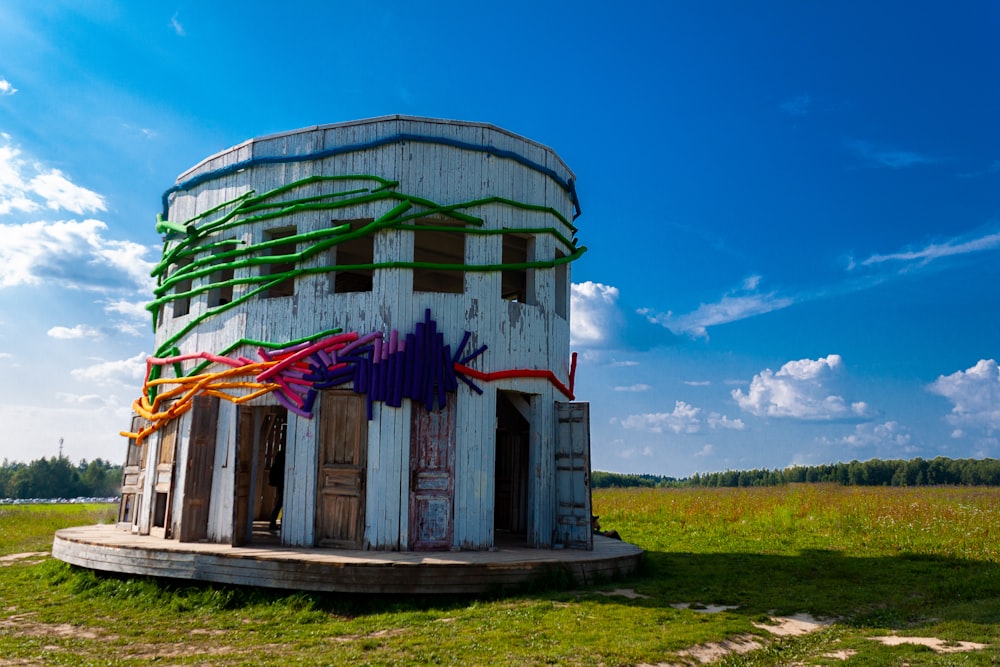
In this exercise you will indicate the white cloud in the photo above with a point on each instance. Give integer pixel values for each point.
(624, 364)
(935, 251)
(716, 420)
(176, 25)
(91, 400)
(599, 320)
(70, 333)
(132, 309)
(6, 355)
(707, 450)
(683, 419)
(73, 254)
(634, 388)
(120, 372)
(28, 186)
(888, 436)
(59, 193)
(883, 156)
(698, 383)
(595, 313)
(975, 396)
(739, 304)
(6, 88)
(799, 390)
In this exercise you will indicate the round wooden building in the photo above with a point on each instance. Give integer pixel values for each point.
(370, 319)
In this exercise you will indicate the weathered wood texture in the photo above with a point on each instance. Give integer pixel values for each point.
(469, 572)
(528, 334)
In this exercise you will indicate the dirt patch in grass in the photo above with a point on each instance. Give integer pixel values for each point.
(933, 643)
(715, 651)
(23, 625)
(625, 593)
(793, 626)
(33, 556)
(704, 608)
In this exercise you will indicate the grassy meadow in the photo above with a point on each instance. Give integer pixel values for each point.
(868, 562)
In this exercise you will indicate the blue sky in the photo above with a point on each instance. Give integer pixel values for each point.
(792, 209)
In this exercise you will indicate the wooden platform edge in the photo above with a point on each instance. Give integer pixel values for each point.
(107, 549)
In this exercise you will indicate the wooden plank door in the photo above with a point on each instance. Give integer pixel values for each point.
(133, 478)
(163, 480)
(432, 477)
(573, 476)
(341, 480)
(242, 522)
(198, 471)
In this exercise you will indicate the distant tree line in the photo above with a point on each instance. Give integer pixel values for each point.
(57, 477)
(876, 472)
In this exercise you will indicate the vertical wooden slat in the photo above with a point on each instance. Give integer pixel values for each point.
(198, 475)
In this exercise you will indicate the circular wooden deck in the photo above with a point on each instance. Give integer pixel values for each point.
(105, 547)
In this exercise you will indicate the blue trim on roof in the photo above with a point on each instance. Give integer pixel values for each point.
(568, 185)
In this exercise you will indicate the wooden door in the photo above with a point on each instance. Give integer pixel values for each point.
(242, 522)
(343, 460)
(432, 477)
(198, 471)
(133, 477)
(573, 476)
(163, 480)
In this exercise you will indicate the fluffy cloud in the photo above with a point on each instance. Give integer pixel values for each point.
(800, 389)
(684, 418)
(888, 436)
(634, 388)
(70, 333)
(6, 88)
(739, 304)
(28, 186)
(716, 420)
(600, 321)
(595, 313)
(975, 396)
(72, 254)
(119, 372)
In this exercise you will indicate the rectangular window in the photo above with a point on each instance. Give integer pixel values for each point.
(515, 283)
(182, 304)
(443, 254)
(220, 294)
(287, 286)
(561, 286)
(353, 254)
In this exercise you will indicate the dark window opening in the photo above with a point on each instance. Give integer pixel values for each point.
(182, 304)
(434, 249)
(220, 294)
(514, 282)
(354, 252)
(287, 286)
(561, 286)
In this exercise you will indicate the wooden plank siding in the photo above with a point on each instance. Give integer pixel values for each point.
(519, 335)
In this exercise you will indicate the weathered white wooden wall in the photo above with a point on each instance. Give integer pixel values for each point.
(519, 335)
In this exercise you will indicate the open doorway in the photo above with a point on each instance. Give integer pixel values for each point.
(261, 434)
(510, 508)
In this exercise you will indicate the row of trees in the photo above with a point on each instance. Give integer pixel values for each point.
(876, 472)
(56, 477)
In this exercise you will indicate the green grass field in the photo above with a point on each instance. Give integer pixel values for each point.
(868, 562)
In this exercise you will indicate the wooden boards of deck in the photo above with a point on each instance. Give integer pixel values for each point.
(107, 548)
